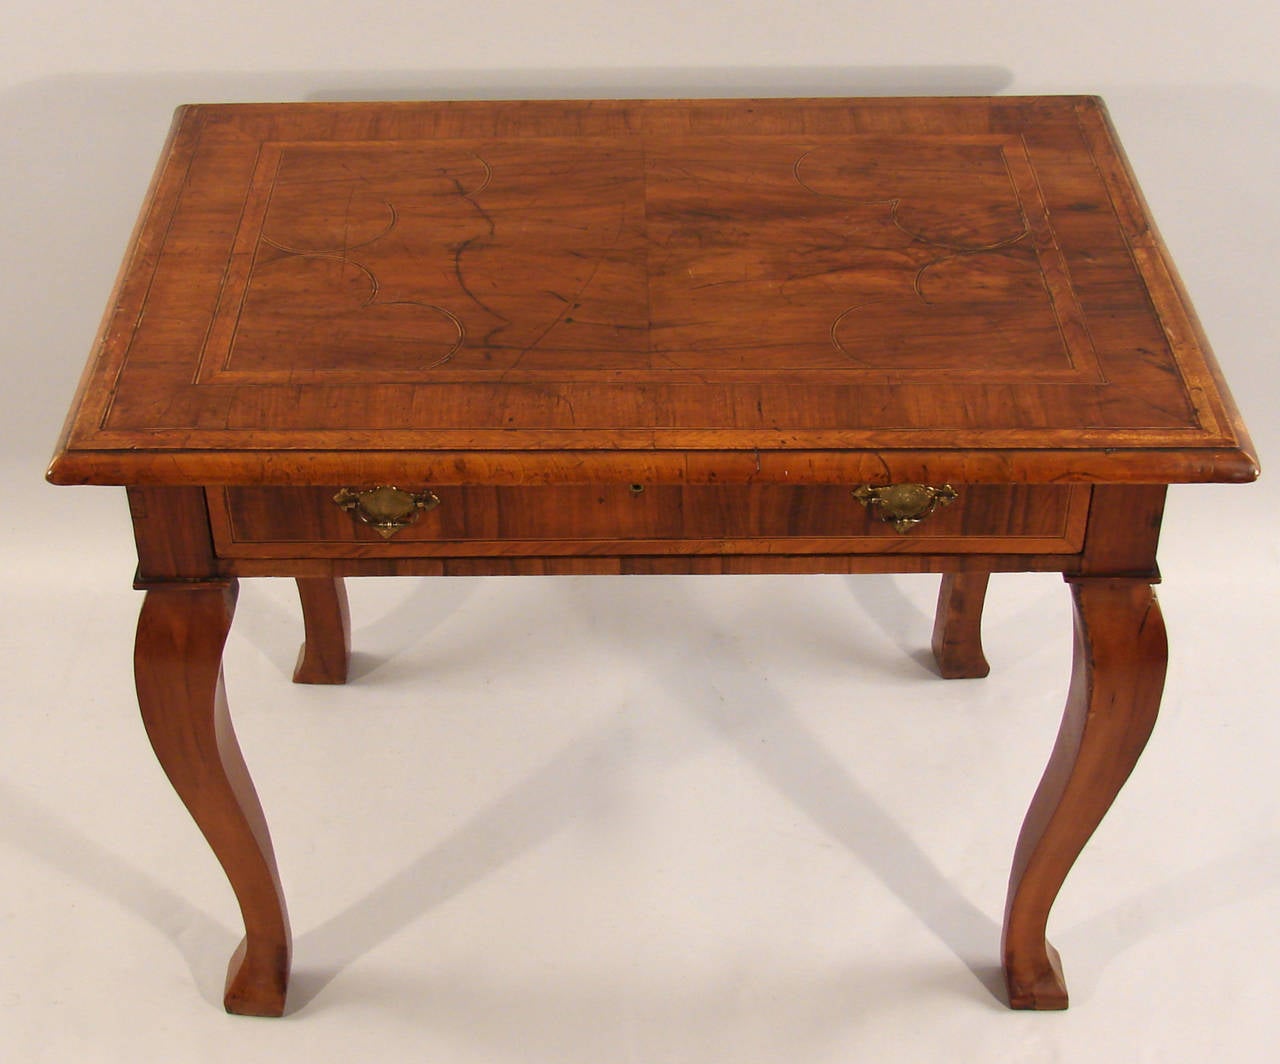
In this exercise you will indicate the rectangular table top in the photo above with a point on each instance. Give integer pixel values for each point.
(801, 290)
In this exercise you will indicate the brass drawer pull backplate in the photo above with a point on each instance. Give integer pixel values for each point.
(904, 505)
(385, 508)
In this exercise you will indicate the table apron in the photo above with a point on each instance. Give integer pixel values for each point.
(620, 521)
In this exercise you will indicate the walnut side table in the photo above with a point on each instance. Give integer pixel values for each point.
(771, 336)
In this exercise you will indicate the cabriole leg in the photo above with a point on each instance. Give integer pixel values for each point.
(326, 650)
(1117, 678)
(957, 626)
(178, 670)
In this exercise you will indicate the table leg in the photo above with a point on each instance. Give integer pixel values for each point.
(326, 649)
(957, 626)
(1117, 678)
(178, 670)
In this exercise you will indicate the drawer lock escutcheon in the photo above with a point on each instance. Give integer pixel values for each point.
(385, 508)
(904, 505)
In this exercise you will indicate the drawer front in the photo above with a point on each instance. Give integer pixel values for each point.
(306, 522)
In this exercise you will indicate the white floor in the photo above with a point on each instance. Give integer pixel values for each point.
(637, 820)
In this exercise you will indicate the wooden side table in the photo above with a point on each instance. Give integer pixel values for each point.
(833, 336)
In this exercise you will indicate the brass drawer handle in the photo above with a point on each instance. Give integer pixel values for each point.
(905, 505)
(385, 508)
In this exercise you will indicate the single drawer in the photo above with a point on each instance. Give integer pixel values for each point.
(619, 519)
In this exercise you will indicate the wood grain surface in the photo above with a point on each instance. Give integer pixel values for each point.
(258, 522)
(884, 283)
